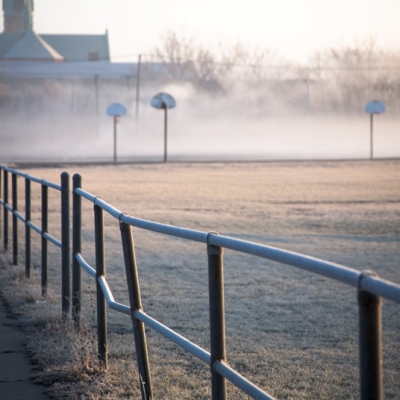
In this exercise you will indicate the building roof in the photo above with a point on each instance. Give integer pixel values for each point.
(80, 47)
(32, 47)
(68, 47)
(8, 41)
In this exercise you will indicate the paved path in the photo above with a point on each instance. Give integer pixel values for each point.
(15, 367)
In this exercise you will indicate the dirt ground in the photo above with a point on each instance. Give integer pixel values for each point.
(292, 332)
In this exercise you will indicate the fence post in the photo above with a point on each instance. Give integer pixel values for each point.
(136, 304)
(5, 210)
(217, 317)
(76, 248)
(44, 240)
(101, 301)
(369, 306)
(27, 228)
(14, 190)
(1, 178)
(65, 246)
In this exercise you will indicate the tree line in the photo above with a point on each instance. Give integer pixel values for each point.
(251, 80)
(338, 80)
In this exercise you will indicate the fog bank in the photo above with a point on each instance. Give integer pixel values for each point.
(70, 125)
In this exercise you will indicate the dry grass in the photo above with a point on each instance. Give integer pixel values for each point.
(293, 333)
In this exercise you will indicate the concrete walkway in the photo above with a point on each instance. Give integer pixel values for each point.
(15, 367)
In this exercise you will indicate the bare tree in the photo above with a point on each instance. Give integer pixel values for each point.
(339, 79)
(222, 64)
(357, 73)
(176, 55)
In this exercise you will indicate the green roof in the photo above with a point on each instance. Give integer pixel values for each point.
(78, 47)
(8, 41)
(32, 47)
(69, 47)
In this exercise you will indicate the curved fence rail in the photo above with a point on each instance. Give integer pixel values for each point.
(370, 288)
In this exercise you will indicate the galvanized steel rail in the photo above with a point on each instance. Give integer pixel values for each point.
(370, 288)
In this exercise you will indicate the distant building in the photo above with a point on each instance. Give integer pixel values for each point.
(73, 73)
(19, 42)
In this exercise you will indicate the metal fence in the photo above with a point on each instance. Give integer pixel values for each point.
(64, 244)
(370, 288)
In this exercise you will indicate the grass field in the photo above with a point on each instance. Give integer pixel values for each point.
(293, 333)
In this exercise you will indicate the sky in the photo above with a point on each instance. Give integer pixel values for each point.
(294, 29)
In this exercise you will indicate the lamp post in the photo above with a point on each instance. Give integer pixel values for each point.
(115, 110)
(373, 107)
(164, 101)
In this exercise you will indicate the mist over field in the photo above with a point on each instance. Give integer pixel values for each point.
(233, 104)
(201, 127)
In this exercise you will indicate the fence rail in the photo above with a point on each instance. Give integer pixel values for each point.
(370, 288)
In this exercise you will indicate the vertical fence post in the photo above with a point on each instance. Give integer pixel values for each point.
(5, 210)
(100, 271)
(27, 228)
(44, 240)
(76, 248)
(369, 306)
(217, 317)
(65, 246)
(14, 190)
(136, 304)
(1, 177)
